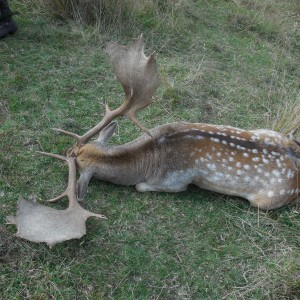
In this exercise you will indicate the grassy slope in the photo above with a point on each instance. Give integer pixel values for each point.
(228, 62)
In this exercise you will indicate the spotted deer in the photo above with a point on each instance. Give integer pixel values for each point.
(262, 166)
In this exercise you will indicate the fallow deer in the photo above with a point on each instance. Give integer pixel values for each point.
(262, 166)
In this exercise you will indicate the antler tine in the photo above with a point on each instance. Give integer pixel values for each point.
(64, 194)
(108, 117)
(74, 135)
(70, 191)
(61, 157)
(71, 188)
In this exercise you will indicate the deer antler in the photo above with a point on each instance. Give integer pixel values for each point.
(137, 74)
(139, 79)
(38, 223)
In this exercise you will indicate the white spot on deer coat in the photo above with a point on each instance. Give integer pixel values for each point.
(276, 173)
(215, 140)
(239, 172)
(279, 164)
(241, 147)
(265, 161)
(208, 155)
(282, 192)
(290, 174)
(199, 137)
(275, 153)
(212, 167)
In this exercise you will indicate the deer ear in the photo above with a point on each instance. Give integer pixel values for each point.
(107, 132)
(82, 184)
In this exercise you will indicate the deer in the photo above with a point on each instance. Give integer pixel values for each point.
(261, 166)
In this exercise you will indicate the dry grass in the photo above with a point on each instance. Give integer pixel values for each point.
(287, 118)
(121, 14)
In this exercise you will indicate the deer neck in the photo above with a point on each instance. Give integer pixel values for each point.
(126, 164)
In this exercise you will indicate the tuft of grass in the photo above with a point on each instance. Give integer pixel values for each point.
(288, 117)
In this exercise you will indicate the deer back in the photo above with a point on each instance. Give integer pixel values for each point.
(218, 158)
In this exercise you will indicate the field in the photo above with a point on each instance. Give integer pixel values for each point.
(234, 62)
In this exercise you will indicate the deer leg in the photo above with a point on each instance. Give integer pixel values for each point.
(148, 187)
(265, 202)
(172, 182)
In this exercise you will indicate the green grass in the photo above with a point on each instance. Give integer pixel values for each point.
(226, 62)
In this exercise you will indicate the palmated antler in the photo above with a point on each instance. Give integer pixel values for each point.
(139, 79)
(39, 223)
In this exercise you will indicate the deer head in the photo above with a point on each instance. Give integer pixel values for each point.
(139, 79)
(39, 223)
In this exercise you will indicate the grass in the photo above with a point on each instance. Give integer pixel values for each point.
(226, 62)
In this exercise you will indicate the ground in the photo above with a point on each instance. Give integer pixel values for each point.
(223, 62)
